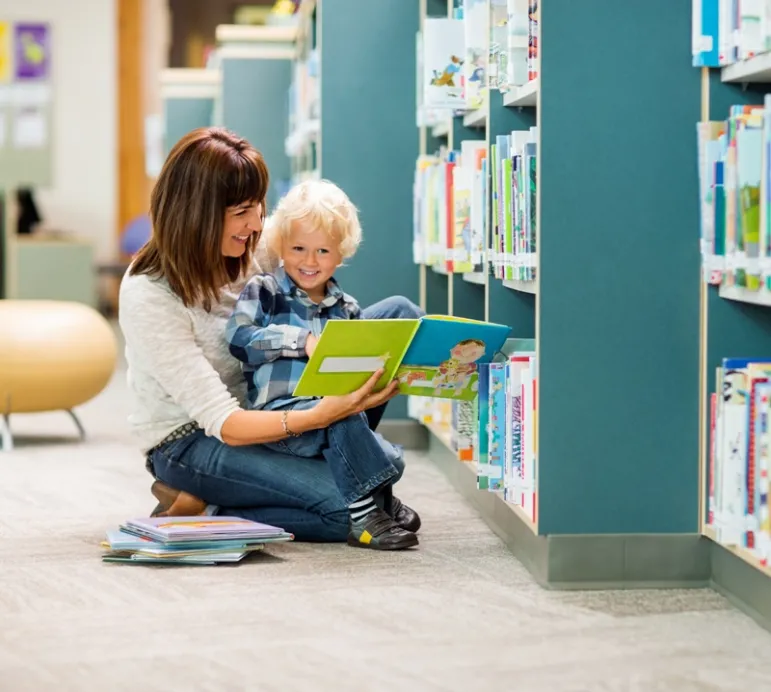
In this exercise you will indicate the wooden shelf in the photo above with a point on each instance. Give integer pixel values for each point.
(476, 118)
(525, 95)
(475, 278)
(524, 286)
(757, 69)
(742, 295)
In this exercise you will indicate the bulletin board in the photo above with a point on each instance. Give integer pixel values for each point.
(26, 104)
(26, 127)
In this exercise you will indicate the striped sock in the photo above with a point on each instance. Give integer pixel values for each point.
(362, 507)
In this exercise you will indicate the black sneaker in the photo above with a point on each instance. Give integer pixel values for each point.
(377, 531)
(405, 516)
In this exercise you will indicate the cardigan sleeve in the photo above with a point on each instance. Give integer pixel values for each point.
(161, 347)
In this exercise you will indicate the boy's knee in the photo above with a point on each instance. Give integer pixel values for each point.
(404, 308)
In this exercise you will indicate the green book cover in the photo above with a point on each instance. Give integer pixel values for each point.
(349, 351)
(434, 356)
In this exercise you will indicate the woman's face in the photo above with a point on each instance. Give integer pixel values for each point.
(240, 223)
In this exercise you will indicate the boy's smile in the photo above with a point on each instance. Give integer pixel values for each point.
(310, 258)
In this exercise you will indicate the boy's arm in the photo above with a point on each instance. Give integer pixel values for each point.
(251, 333)
(350, 308)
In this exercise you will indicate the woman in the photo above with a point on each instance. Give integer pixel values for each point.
(207, 210)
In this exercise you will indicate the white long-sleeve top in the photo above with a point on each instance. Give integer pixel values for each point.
(179, 365)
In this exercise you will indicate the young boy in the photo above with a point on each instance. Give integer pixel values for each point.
(274, 329)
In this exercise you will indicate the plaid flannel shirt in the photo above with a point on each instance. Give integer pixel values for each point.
(268, 330)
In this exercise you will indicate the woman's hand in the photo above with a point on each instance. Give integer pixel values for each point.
(334, 408)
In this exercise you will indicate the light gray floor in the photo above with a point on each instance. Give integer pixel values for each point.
(460, 613)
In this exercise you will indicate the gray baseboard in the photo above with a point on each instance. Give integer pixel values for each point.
(405, 432)
(745, 586)
(602, 561)
(610, 561)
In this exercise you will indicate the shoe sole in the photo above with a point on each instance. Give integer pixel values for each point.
(408, 542)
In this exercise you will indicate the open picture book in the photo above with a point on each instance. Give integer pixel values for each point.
(434, 356)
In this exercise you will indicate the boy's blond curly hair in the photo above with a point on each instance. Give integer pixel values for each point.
(324, 206)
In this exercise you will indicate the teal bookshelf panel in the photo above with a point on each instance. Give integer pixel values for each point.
(254, 105)
(181, 115)
(503, 119)
(460, 132)
(369, 140)
(436, 8)
(619, 264)
(437, 290)
(514, 308)
(724, 95)
(468, 300)
(434, 144)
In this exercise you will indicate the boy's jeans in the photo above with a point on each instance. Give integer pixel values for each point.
(346, 445)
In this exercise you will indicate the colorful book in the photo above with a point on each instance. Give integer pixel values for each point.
(176, 530)
(435, 356)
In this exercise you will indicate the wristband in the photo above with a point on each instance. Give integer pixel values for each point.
(287, 431)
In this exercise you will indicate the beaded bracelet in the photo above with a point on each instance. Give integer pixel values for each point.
(287, 431)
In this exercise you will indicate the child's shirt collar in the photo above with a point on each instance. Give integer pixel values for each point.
(289, 287)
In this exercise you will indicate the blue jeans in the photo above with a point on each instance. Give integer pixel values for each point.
(301, 495)
(341, 444)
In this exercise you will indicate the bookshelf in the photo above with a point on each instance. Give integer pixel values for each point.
(616, 320)
(734, 324)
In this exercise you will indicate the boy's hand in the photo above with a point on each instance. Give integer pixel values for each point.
(310, 344)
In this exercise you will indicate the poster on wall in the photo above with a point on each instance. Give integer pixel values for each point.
(5, 52)
(32, 56)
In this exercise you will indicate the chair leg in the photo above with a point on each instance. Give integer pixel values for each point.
(6, 439)
(78, 424)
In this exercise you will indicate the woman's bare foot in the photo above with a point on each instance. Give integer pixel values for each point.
(175, 503)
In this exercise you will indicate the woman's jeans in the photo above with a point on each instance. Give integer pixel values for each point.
(304, 496)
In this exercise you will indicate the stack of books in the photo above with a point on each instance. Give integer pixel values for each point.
(199, 540)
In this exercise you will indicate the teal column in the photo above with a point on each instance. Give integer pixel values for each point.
(254, 106)
(369, 139)
(619, 264)
(181, 115)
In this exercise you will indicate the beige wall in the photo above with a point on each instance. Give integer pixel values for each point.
(83, 195)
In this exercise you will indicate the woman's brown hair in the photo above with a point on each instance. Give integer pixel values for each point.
(209, 170)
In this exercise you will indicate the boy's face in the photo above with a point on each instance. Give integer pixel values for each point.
(310, 258)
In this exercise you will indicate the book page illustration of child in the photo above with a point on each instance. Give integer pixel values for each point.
(455, 373)
(446, 77)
